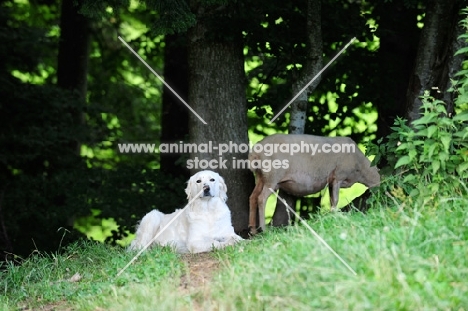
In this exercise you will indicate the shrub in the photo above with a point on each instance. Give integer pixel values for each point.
(428, 157)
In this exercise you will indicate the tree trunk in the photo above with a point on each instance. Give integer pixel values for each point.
(73, 53)
(175, 115)
(432, 67)
(398, 35)
(217, 94)
(301, 105)
(455, 62)
(312, 66)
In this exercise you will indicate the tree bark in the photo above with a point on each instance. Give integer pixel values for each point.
(312, 66)
(398, 35)
(175, 115)
(217, 94)
(73, 53)
(432, 67)
(300, 106)
(455, 62)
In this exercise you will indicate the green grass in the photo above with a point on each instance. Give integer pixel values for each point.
(411, 258)
(44, 280)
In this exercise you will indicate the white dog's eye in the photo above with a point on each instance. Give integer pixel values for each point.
(198, 181)
(212, 179)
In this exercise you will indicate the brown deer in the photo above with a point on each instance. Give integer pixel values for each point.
(303, 165)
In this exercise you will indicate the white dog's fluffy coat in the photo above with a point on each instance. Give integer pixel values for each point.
(204, 225)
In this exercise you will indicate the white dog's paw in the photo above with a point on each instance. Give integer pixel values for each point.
(233, 240)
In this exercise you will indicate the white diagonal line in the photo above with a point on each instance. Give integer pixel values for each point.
(313, 79)
(313, 232)
(162, 80)
(159, 233)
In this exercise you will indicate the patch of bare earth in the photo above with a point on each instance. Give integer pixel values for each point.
(62, 305)
(198, 274)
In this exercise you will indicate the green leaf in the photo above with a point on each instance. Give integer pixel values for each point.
(402, 146)
(414, 193)
(462, 167)
(461, 73)
(435, 166)
(461, 99)
(462, 50)
(443, 157)
(422, 132)
(376, 159)
(423, 157)
(446, 122)
(431, 130)
(402, 161)
(425, 119)
(462, 134)
(410, 178)
(446, 142)
(463, 116)
(434, 187)
(432, 148)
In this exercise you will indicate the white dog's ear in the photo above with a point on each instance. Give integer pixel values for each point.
(222, 189)
(189, 190)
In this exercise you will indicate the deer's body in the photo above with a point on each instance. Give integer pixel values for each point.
(309, 170)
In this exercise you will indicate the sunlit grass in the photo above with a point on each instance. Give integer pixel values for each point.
(411, 258)
(84, 277)
(408, 260)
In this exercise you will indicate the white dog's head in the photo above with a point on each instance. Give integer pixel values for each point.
(212, 184)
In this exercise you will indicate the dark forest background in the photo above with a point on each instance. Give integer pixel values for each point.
(70, 92)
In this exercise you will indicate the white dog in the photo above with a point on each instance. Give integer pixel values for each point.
(204, 225)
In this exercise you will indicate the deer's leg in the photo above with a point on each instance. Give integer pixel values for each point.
(262, 199)
(253, 205)
(334, 190)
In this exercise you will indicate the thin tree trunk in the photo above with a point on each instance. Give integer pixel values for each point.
(312, 66)
(398, 35)
(217, 94)
(455, 61)
(301, 105)
(5, 242)
(73, 53)
(431, 71)
(175, 115)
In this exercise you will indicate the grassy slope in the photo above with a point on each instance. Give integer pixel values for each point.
(412, 259)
